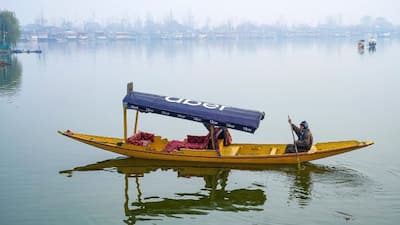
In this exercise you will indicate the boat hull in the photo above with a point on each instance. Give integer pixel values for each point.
(233, 154)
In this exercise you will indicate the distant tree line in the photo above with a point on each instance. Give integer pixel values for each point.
(171, 24)
(9, 28)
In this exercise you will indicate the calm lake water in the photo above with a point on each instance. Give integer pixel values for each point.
(49, 179)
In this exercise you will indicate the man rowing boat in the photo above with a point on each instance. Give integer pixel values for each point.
(305, 138)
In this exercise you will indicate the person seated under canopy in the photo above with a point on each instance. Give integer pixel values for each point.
(209, 141)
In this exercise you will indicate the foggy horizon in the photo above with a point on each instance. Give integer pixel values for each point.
(309, 12)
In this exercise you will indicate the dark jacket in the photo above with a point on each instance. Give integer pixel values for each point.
(305, 138)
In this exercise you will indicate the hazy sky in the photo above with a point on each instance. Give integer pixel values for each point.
(218, 11)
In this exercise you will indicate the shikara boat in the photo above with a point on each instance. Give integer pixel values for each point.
(204, 149)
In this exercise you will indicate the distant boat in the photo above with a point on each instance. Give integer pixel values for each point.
(34, 37)
(61, 39)
(361, 44)
(71, 36)
(372, 43)
(83, 37)
(17, 51)
(100, 36)
(385, 34)
(202, 36)
(124, 36)
(36, 51)
(43, 37)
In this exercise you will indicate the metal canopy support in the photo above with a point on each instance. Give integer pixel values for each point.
(125, 125)
(212, 131)
(129, 89)
(136, 122)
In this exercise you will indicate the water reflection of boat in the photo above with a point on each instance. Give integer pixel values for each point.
(138, 166)
(215, 195)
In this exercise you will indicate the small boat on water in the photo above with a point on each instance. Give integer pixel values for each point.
(38, 51)
(372, 45)
(211, 148)
(361, 44)
(19, 51)
(372, 42)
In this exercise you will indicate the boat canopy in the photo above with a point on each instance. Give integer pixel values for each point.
(203, 112)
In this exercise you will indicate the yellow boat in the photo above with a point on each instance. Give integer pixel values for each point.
(149, 146)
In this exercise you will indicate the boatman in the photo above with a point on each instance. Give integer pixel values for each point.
(305, 138)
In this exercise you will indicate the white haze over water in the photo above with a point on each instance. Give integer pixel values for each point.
(309, 12)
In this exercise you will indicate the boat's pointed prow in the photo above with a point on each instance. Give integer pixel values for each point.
(65, 133)
(367, 143)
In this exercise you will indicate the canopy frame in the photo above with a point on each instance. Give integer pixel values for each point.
(204, 112)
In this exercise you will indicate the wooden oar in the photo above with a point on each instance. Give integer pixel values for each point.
(294, 143)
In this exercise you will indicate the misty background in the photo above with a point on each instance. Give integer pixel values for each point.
(205, 12)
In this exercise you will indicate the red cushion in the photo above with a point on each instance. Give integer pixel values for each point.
(141, 138)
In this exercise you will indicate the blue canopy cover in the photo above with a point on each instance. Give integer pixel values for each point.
(204, 112)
